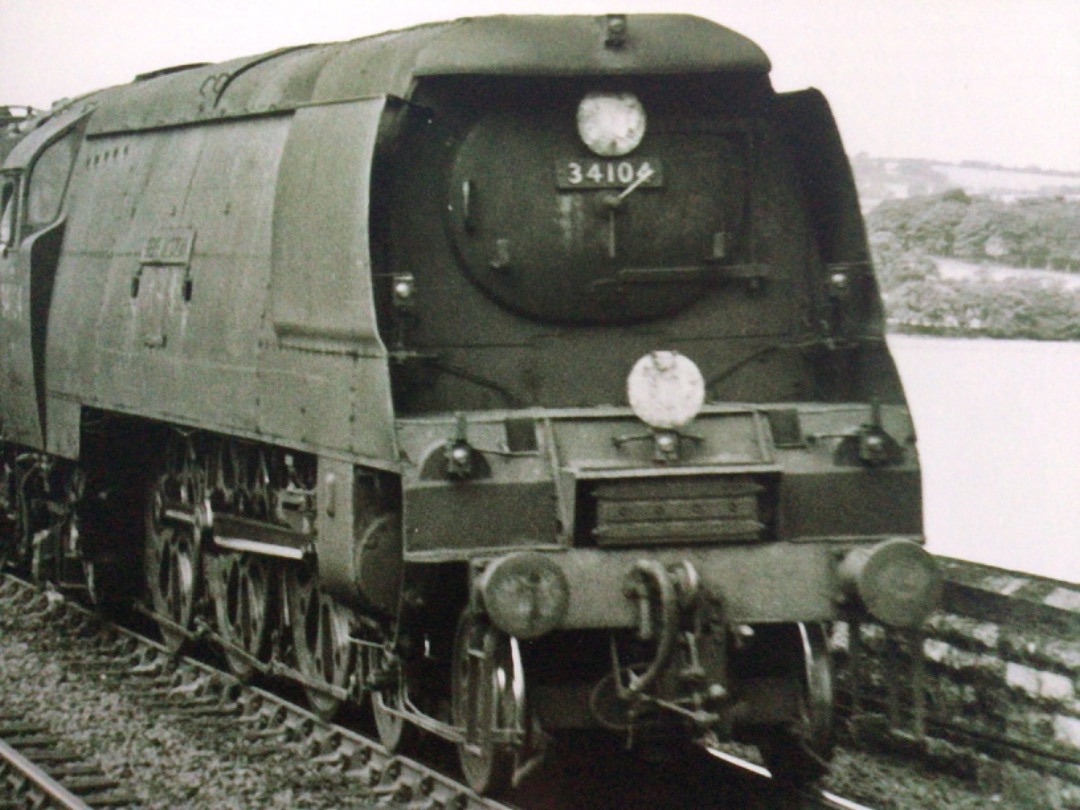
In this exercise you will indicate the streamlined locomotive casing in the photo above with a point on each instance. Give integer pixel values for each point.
(259, 173)
(265, 176)
(208, 293)
(404, 270)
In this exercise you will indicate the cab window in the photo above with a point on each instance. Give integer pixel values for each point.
(8, 198)
(48, 180)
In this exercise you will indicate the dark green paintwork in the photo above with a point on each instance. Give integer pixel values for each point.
(301, 181)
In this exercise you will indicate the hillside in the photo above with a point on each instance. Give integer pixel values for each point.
(881, 179)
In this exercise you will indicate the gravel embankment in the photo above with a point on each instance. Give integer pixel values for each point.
(167, 761)
(177, 762)
(897, 783)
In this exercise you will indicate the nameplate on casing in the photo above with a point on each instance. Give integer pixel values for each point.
(169, 246)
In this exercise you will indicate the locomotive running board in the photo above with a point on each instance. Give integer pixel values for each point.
(255, 547)
(254, 536)
(243, 534)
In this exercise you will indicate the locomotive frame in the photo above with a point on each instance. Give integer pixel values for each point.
(320, 354)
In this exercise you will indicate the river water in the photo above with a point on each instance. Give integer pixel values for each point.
(998, 426)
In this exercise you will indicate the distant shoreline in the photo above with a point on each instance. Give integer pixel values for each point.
(910, 330)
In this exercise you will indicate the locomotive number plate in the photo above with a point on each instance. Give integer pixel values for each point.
(590, 174)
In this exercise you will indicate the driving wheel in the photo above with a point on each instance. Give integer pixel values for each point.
(488, 703)
(241, 589)
(322, 639)
(31, 517)
(798, 753)
(172, 565)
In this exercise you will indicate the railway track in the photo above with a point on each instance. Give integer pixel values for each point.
(336, 755)
(164, 683)
(216, 702)
(807, 800)
(38, 770)
(30, 784)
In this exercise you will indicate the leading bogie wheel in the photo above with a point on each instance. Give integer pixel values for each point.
(797, 754)
(487, 703)
(173, 569)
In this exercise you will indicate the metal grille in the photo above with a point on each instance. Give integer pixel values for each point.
(664, 511)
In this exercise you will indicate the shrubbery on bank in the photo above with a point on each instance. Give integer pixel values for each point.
(1039, 232)
(1016, 307)
(906, 237)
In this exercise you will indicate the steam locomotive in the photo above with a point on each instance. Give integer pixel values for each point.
(509, 376)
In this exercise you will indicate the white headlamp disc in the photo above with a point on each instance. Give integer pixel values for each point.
(666, 390)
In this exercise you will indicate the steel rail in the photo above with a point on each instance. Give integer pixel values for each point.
(822, 798)
(831, 800)
(56, 794)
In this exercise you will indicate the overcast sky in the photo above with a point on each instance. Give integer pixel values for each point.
(993, 80)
